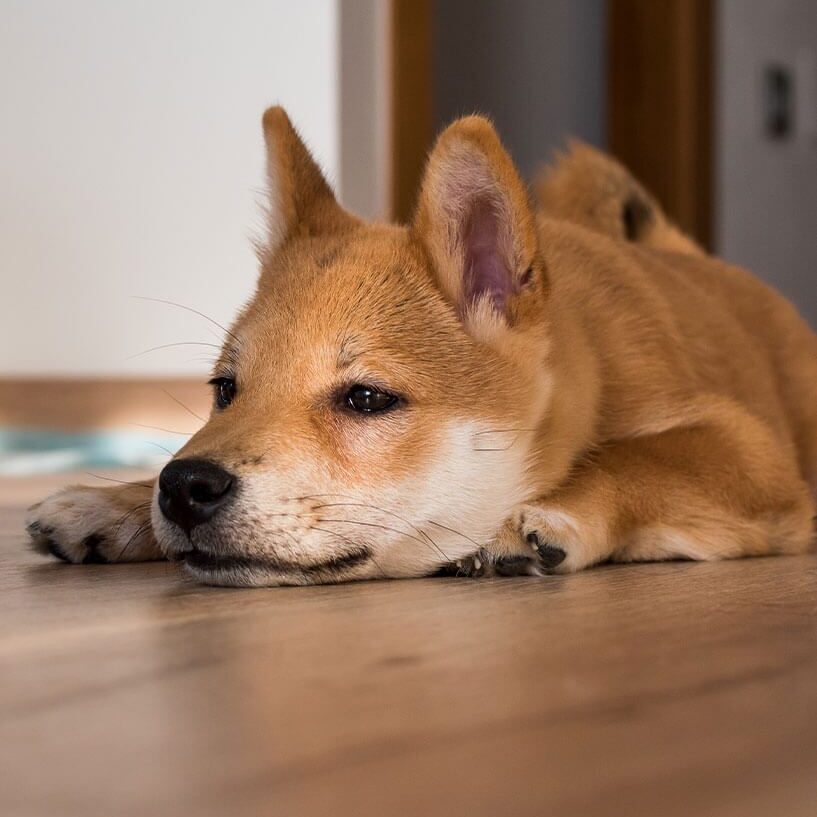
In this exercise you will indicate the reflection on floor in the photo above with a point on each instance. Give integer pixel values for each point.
(669, 690)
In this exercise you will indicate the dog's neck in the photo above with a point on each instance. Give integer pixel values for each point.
(567, 426)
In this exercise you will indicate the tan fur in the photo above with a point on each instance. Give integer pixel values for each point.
(628, 399)
(591, 189)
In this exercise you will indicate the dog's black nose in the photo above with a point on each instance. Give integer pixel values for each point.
(191, 491)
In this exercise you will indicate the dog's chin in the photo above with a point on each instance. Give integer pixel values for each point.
(208, 564)
(254, 571)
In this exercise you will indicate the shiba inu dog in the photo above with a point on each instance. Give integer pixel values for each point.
(495, 386)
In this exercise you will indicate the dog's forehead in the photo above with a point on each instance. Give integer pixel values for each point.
(372, 287)
(375, 259)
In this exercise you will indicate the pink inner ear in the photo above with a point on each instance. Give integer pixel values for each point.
(486, 269)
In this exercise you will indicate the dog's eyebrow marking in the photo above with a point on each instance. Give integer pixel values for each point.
(348, 353)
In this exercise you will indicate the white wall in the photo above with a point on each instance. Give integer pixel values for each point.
(130, 160)
(766, 191)
(365, 107)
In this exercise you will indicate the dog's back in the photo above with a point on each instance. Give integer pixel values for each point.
(670, 322)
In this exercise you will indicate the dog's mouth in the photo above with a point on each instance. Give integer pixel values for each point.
(205, 562)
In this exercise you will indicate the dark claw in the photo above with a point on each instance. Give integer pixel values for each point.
(36, 529)
(550, 556)
(465, 567)
(54, 550)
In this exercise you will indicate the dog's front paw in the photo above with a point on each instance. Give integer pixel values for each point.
(560, 541)
(554, 539)
(95, 525)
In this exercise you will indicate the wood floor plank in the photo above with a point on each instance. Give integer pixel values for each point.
(675, 689)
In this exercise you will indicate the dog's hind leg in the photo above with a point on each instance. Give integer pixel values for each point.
(87, 525)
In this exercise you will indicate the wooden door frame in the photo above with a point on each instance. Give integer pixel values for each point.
(386, 124)
(411, 100)
(660, 102)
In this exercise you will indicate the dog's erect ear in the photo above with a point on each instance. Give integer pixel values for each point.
(300, 200)
(476, 222)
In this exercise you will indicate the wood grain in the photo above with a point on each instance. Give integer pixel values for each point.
(674, 689)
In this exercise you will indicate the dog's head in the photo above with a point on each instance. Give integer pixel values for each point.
(375, 402)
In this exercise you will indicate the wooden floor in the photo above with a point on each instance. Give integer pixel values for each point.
(658, 690)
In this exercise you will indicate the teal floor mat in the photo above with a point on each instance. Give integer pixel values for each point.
(27, 452)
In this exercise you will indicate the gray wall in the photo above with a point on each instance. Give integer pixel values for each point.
(536, 67)
(766, 191)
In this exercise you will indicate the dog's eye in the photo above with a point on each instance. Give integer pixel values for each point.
(368, 400)
(225, 391)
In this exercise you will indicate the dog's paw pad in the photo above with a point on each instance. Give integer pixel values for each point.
(93, 555)
(549, 556)
(519, 565)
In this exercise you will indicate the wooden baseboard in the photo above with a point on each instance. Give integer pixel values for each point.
(87, 404)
